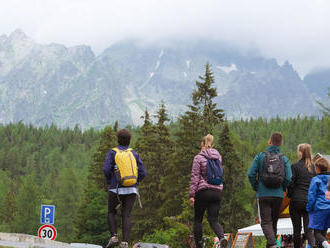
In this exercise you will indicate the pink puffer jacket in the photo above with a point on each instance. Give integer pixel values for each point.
(198, 172)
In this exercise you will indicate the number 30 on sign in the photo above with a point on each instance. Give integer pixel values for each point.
(47, 232)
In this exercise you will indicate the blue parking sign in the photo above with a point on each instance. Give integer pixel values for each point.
(47, 214)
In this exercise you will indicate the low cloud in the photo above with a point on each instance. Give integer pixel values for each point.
(295, 30)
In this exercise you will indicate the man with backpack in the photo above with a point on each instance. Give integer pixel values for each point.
(123, 170)
(269, 175)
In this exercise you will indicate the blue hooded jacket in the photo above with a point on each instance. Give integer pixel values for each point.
(316, 193)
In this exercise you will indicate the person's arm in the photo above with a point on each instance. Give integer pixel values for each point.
(194, 178)
(328, 187)
(253, 172)
(292, 184)
(288, 173)
(141, 169)
(108, 166)
(311, 195)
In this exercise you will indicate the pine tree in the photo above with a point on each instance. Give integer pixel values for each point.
(67, 198)
(146, 146)
(115, 127)
(165, 149)
(91, 222)
(28, 203)
(203, 101)
(200, 119)
(232, 212)
(108, 140)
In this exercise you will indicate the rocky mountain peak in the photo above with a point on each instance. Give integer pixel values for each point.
(44, 84)
(18, 35)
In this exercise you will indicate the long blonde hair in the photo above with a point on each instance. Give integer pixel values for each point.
(306, 153)
(208, 141)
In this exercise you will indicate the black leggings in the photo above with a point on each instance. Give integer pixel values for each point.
(298, 210)
(207, 200)
(127, 202)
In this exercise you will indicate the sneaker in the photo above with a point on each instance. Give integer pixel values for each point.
(223, 243)
(123, 245)
(113, 241)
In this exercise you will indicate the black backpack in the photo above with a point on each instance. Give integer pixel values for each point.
(273, 172)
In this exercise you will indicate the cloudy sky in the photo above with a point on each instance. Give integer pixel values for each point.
(297, 30)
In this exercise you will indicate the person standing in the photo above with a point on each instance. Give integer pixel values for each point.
(205, 194)
(318, 206)
(269, 175)
(302, 174)
(123, 170)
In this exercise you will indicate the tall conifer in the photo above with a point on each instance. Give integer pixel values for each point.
(203, 98)
(232, 212)
(91, 223)
(200, 119)
(146, 146)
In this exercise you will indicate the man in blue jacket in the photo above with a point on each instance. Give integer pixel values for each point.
(269, 198)
(120, 195)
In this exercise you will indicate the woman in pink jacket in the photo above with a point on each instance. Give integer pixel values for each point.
(203, 195)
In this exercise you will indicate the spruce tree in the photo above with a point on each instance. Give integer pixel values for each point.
(67, 198)
(28, 201)
(146, 146)
(203, 98)
(200, 119)
(108, 140)
(232, 212)
(91, 222)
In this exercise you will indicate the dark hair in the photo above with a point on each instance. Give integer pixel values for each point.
(124, 137)
(323, 164)
(276, 139)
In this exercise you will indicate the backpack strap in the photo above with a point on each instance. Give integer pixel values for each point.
(116, 149)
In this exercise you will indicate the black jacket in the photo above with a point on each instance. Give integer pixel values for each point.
(301, 178)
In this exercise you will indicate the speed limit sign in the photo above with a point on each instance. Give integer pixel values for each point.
(47, 232)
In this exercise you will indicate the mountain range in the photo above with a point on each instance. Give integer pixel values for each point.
(51, 83)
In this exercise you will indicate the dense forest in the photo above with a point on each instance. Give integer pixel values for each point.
(48, 165)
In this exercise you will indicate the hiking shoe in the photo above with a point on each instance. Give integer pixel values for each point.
(113, 241)
(223, 243)
(123, 245)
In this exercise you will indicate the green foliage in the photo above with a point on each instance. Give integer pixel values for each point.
(155, 147)
(91, 223)
(233, 212)
(200, 119)
(67, 197)
(203, 101)
(65, 167)
(28, 201)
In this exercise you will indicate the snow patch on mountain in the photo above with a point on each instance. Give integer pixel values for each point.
(188, 64)
(228, 69)
(157, 65)
(161, 54)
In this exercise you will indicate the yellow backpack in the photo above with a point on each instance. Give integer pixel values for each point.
(126, 171)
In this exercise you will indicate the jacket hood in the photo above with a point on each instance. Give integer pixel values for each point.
(324, 177)
(273, 149)
(211, 153)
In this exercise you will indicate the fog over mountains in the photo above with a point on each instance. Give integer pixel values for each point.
(44, 84)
